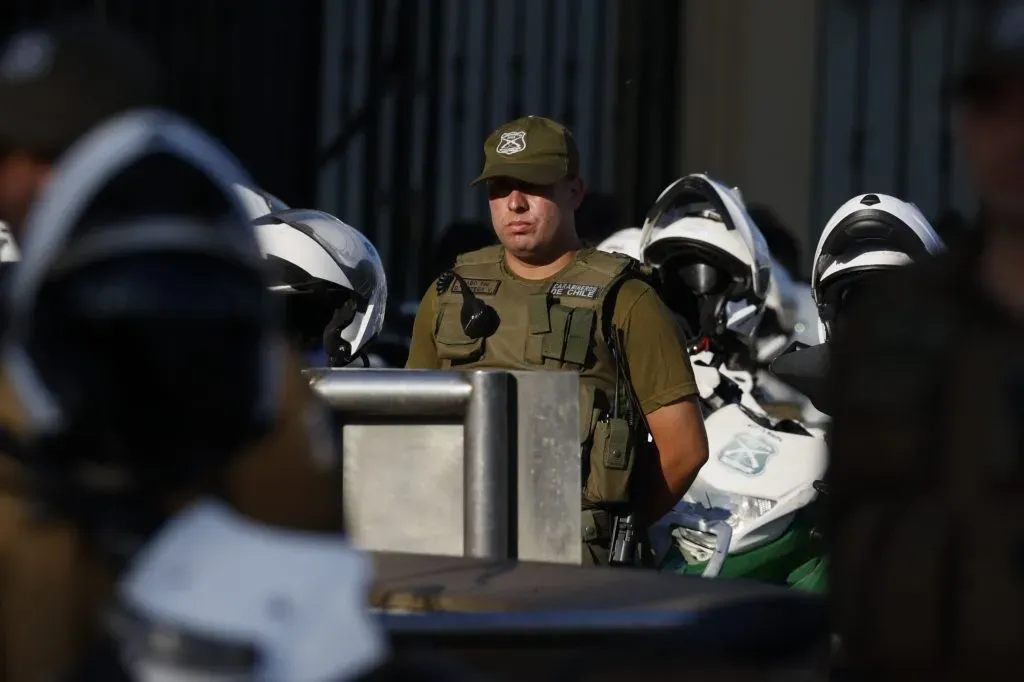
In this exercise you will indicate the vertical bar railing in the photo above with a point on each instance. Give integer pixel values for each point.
(485, 469)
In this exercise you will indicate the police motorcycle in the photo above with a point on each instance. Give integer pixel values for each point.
(784, 317)
(747, 514)
(170, 280)
(869, 234)
(332, 282)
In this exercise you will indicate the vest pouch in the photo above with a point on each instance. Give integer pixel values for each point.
(553, 343)
(611, 462)
(452, 342)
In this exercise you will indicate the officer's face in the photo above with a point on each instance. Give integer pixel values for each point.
(993, 125)
(532, 220)
(21, 178)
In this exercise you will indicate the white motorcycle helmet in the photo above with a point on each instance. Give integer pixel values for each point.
(868, 234)
(333, 278)
(626, 241)
(258, 202)
(712, 259)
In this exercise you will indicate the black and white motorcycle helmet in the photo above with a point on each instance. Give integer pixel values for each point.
(713, 261)
(332, 277)
(870, 233)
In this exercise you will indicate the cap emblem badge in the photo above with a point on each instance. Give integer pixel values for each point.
(512, 142)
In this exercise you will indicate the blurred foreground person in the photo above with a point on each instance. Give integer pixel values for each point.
(57, 82)
(167, 447)
(926, 474)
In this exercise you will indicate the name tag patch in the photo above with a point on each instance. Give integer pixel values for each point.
(575, 290)
(480, 287)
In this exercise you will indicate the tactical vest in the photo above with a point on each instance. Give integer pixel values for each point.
(557, 324)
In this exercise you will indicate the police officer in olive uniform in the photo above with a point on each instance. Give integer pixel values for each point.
(554, 305)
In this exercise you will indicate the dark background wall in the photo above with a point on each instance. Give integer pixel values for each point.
(247, 71)
(293, 87)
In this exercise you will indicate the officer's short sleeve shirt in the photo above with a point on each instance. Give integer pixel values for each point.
(423, 350)
(659, 365)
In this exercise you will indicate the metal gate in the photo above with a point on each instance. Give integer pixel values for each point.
(376, 110)
(884, 124)
(413, 87)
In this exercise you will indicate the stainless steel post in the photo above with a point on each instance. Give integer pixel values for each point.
(486, 491)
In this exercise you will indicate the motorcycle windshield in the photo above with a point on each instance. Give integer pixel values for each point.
(692, 194)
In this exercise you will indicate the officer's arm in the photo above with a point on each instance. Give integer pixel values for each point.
(423, 350)
(663, 381)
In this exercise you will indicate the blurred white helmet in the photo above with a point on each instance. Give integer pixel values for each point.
(868, 234)
(625, 241)
(712, 259)
(332, 276)
(257, 202)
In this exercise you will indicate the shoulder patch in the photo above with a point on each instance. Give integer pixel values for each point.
(480, 287)
(574, 290)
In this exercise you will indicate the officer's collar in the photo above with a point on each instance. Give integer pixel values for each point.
(576, 257)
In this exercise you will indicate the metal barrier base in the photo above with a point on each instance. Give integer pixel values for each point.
(483, 463)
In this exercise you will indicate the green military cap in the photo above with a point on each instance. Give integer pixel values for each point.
(533, 149)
